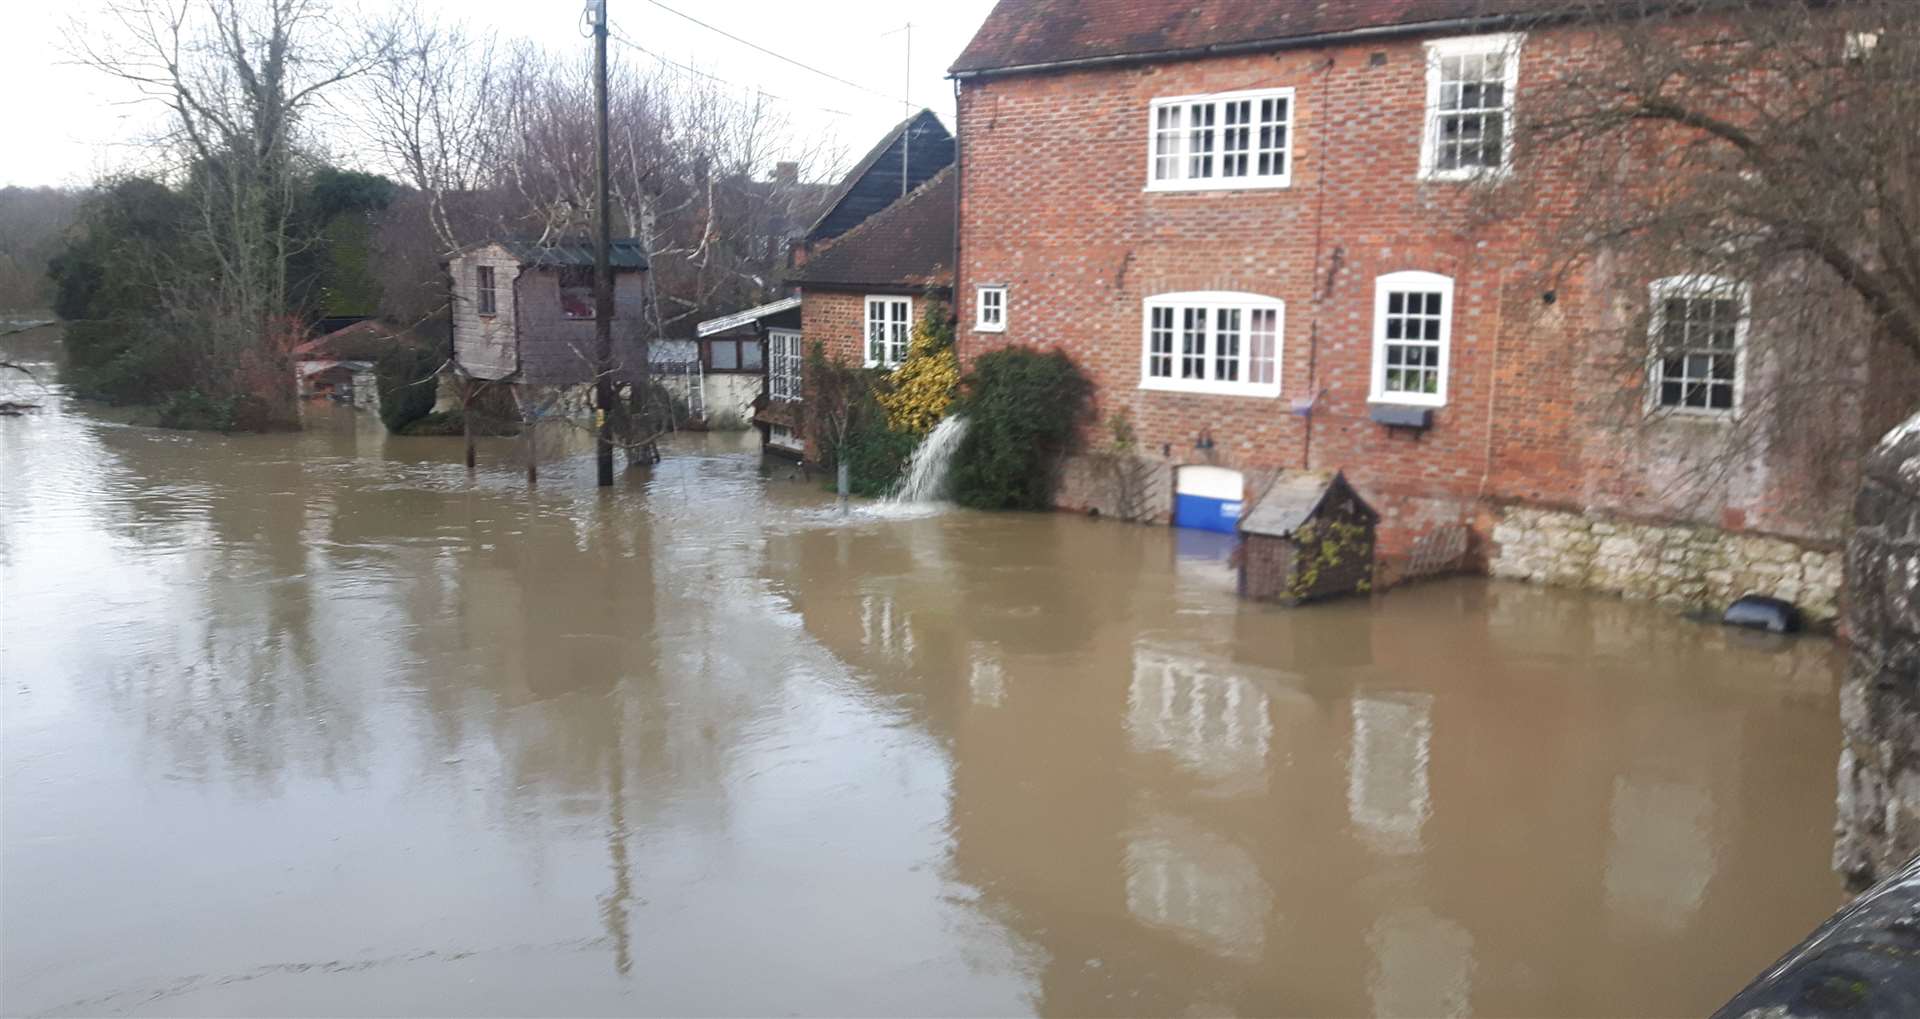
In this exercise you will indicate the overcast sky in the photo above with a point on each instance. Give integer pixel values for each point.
(66, 125)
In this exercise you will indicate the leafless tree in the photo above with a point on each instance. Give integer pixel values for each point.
(236, 78)
(431, 110)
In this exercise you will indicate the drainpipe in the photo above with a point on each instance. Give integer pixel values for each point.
(1320, 288)
(959, 197)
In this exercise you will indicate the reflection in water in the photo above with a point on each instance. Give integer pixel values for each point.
(318, 723)
(1387, 793)
(1217, 726)
(1422, 965)
(986, 679)
(1203, 887)
(1659, 850)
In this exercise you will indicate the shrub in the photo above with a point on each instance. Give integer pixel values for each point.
(1021, 407)
(408, 386)
(921, 390)
(193, 410)
(850, 425)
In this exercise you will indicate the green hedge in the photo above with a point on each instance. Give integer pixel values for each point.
(408, 388)
(1022, 408)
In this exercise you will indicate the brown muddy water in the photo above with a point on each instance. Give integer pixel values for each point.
(316, 724)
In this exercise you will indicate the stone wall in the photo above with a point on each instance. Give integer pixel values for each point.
(1682, 566)
(1123, 486)
(1878, 829)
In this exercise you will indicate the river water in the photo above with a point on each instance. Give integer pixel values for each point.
(317, 724)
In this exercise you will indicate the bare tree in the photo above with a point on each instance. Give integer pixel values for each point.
(432, 111)
(236, 77)
(1749, 166)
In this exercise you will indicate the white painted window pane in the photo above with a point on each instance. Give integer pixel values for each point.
(1262, 335)
(1193, 343)
(1201, 140)
(1160, 344)
(1226, 345)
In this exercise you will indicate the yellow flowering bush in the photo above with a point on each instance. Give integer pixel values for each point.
(921, 389)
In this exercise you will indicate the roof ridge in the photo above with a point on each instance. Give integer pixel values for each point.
(845, 185)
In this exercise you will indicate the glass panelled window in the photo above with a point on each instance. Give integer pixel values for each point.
(1699, 328)
(889, 328)
(489, 297)
(1212, 342)
(990, 309)
(1470, 86)
(1159, 342)
(1412, 327)
(1263, 347)
(783, 364)
(1230, 140)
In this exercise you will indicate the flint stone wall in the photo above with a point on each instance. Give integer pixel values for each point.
(1878, 828)
(1682, 566)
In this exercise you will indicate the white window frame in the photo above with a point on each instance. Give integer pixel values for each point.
(1383, 289)
(895, 343)
(982, 322)
(1211, 303)
(782, 437)
(1698, 286)
(784, 360)
(1510, 45)
(486, 286)
(1218, 102)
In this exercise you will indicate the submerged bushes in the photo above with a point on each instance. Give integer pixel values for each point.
(1021, 407)
(408, 385)
(850, 424)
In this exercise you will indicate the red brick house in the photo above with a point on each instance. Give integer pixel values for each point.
(881, 248)
(1250, 222)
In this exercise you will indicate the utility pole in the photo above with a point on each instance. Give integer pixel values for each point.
(906, 103)
(602, 257)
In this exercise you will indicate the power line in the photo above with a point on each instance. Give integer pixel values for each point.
(622, 39)
(777, 56)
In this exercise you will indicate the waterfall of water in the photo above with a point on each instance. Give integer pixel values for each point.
(926, 477)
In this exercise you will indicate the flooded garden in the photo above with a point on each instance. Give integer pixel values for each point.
(318, 723)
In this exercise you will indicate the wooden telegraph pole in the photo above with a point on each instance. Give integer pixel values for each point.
(602, 257)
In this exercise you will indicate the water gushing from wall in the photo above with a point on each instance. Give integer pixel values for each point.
(928, 469)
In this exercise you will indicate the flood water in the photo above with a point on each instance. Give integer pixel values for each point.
(316, 724)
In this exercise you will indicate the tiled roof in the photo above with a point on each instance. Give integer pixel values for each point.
(362, 341)
(907, 244)
(1025, 33)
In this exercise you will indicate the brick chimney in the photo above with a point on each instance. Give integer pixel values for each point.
(786, 173)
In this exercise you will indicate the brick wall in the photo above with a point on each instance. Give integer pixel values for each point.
(1054, 205)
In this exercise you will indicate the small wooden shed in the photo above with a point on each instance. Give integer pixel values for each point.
(1310, 536)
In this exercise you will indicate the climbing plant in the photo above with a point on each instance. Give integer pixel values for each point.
(921, 389)
(1022, 408)
(1325, 545)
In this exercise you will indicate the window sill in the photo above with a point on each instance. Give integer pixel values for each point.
(1406, 400)
(1695, 415)
(1206, 388)
(978, 328)
(1400, 415)
(1465, 176)
(1234, 184)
